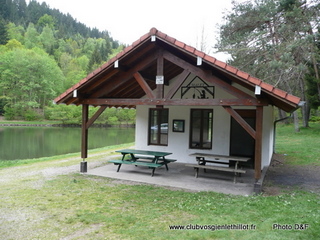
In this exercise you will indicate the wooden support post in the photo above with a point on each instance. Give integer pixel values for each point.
(84, 135)
(160, 87)
(258, 143)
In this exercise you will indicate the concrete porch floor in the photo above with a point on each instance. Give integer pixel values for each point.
(181, 177)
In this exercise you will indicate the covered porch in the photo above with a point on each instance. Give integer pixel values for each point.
(181, 177)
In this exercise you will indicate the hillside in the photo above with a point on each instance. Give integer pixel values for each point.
(42, 53)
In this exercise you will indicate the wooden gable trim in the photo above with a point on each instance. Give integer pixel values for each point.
(206, 75)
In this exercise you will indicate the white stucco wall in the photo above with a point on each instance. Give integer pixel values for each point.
(178, 143)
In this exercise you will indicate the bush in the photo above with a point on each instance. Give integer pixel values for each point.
(315, 119)
(9, 113)
(31, 115)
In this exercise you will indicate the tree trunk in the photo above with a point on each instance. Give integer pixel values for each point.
(282, 115)
(305, 114)
(296, 121)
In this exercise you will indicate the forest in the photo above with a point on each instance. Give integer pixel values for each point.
(278, 41)
(43, 52)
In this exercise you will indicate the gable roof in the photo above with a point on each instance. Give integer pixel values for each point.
(115, 78)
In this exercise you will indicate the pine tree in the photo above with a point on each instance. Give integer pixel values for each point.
(3, 33)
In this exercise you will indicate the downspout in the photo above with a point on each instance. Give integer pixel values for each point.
(274, 129)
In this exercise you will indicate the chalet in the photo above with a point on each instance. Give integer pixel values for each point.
(186, 101)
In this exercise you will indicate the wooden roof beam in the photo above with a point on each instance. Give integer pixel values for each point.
(206, 75)
(144, 85)
(241, 121)
(182, 77)
(125, 76)
(172, 102)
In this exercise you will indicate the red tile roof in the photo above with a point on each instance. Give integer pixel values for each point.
(242, 76)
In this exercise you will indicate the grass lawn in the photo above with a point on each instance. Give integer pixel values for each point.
(302, 148)
(38, 205)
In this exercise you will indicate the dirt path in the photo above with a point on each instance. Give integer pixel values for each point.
(284, 177)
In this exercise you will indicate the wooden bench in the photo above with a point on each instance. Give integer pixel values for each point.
(143, 163)
(217, 168)
(147, 160)
(204, 158)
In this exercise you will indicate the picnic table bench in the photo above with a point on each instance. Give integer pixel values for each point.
(151, 159)
(204, 158)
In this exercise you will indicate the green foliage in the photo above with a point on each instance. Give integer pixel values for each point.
(312, 88)
(315, 119)
(10, 113)
(73, 115)
(29, 78)
(13, 43)
(46, 21)
(65, 114)
(276, 41)
(3, 32)
(45, 53)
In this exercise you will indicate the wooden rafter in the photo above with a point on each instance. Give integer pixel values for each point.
(206, 75)
(182, 77)
(118, 82)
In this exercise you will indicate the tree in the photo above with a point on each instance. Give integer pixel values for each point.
(273, 40)
(29, 79)
(13, 43)
(47, 39)
(31, 37)
(15, 32)
(3, 32)
(46, 20)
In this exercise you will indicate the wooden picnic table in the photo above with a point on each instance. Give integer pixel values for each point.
(151, 159)
(204, 158)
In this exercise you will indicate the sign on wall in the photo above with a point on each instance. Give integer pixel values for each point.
(197, 89)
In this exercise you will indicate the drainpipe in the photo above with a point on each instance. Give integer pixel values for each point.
(274, 129)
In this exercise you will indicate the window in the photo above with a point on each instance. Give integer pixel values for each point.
(158, 127)
(201, 128)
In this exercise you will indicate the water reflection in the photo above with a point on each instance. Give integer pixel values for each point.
(35, 142)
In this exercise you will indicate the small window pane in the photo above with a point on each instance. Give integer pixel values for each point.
(201, 129)
(158, 127)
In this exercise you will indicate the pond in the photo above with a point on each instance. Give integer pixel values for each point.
(36, 142)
